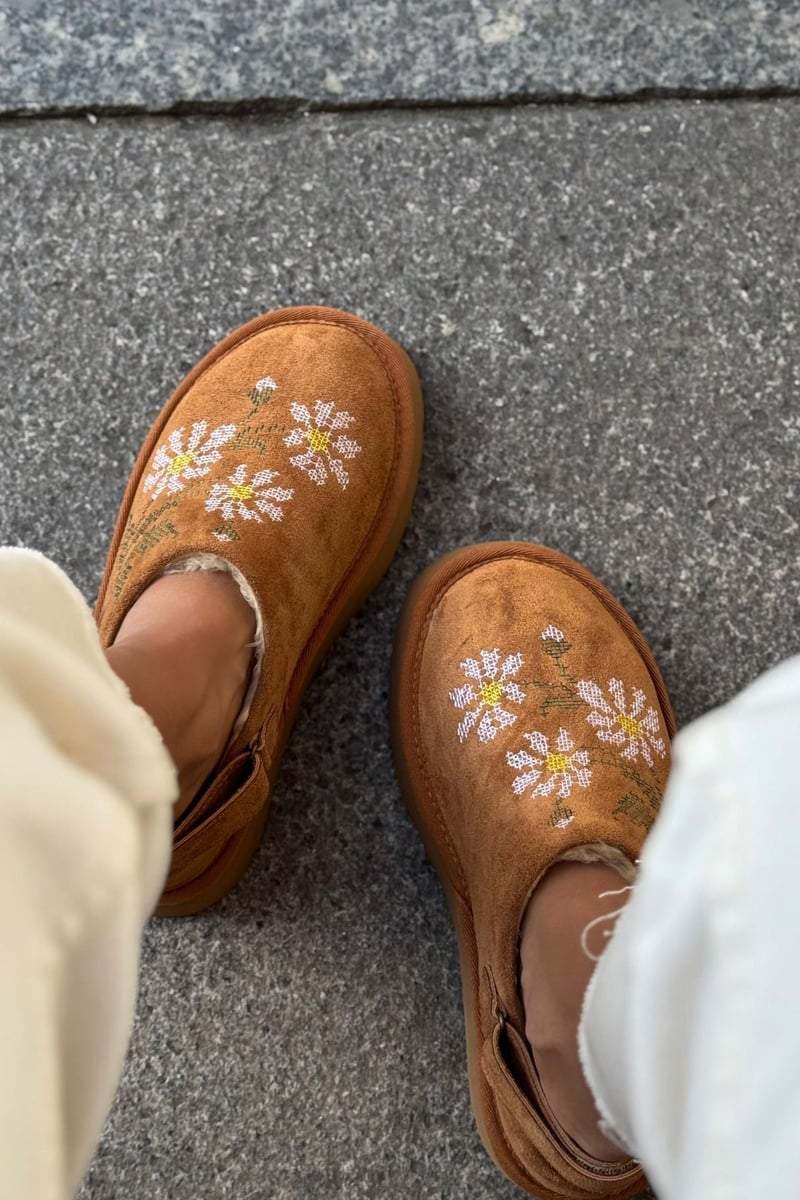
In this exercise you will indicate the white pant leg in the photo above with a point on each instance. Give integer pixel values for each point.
(86, 789)
(690, 1037)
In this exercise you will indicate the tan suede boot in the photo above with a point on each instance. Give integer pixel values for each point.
(290, 452)
(530, 725)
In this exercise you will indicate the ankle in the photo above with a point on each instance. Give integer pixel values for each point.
(555, 972)
(184, 651)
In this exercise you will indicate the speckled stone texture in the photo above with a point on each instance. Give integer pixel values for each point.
(153, 55)
(603, 308)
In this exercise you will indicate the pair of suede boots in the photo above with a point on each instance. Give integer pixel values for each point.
(530, 722)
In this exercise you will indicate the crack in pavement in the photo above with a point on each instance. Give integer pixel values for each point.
(283, 107)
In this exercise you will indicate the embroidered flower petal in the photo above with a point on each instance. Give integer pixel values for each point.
(322, 411)
(524, 781)
(347, 447)
(502, 716)
(600, 719)
(564, 742)
(565, 787)
(632, 750)
(263, 477)
(465, 725)
(272, 510)
(490, 659)
(312, 464)
(511, 666)
(219, 437)
(615, 736)
(487, 728)
(462, 696)
(589, 691)
(538, 741)
(175, 439)
(337, 466)
(216, 497)
(278, 493)
(156, 479)
(651, 723)
(197, 434)
(617, 690)
(521, 758)
(228, 510)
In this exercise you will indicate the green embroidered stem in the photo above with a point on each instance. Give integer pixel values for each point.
(634, 807)
(611, 758)
(147, 540)
(141, 536)
(259, 397)
(255, 437)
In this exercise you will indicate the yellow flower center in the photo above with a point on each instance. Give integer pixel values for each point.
(318, 440)
(630, 725)
(557, 762)
(180, 462)
(240, 491)
(491, 692)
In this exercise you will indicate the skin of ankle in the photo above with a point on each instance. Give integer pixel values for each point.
(555, 973)
(184, 652)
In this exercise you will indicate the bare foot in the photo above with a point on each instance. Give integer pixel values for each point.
(184, 652)
(555, 975)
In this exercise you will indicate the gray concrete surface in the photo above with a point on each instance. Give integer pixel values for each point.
(603, 307)
(152, 55)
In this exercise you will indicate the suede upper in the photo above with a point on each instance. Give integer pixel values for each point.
(532, 726)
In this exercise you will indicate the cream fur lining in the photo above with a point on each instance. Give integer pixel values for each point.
(599, 852)
(213, 562)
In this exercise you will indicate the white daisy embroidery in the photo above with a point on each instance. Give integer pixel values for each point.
(173, 462)
(633, 728)
(326, 448)
(238, 498)
(559, 766)
(493, 683)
